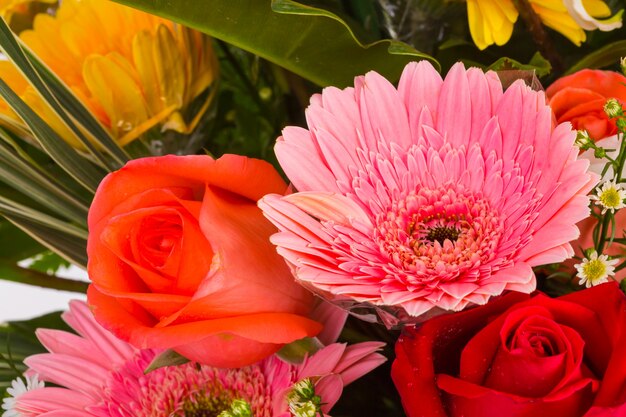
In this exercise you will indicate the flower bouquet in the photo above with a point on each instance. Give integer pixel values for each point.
(291, 208)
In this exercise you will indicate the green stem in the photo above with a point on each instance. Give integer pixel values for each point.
(605, 226)
(618, 166)
(15, 273)
(621, 159)
(539, 34)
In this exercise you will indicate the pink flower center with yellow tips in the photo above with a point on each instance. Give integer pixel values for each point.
(439, 234)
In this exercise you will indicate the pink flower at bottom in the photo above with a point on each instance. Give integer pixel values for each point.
(433, 195)
(101, 376)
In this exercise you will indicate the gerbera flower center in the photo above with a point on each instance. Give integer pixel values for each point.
(439, 232)
(203, 405)
(188, 390)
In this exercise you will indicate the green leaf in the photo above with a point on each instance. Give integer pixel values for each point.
(22, 246)
(18, 341)
(537, 63)
(602, 57)
(32, 182)
(15, 209)
(68, 246)
(48, 262)
(311, 42)
(10, 271)
(167, 358)
(81, 169)
(296, 352)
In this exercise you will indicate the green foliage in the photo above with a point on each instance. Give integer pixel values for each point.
(538, 64)
(608, 55)
(18, 341)
(47, 185)
(48, 262)
(309, 41)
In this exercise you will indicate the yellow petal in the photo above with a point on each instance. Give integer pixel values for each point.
(202, 65)
(597, 8)
(169, 68)
(562, 22)
(145, 62)
(117, 92)
(491, 21)
(476, 25)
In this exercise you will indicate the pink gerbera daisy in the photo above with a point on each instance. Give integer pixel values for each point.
(440, 193)
(98, 375)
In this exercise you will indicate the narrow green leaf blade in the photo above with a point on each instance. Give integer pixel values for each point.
(9, 271)
(22, 246)
(70, 247)
(28, 181)
(602, 57)
(12, 49)
(81, 170)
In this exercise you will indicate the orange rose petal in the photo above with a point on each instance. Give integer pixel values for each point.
(567, 98)
(159, 306)
(144, 174)
(115, 237)
(595, 107)
(278, 328)
(193, 207)
(246, 267)
(155, 197)
(193, 269)
(105, 268)
(121, 317)
(132, 323)
(605, 83)
(251, 178)
(598, 128)
(167, 303)
(227, 351)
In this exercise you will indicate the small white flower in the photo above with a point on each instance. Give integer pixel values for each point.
(581, 16)
(613, 108)
(19, 387)
(595, 270)
(583, 141)
(302, 400)
(610, 196)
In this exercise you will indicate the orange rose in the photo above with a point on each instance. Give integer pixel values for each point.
(579, 98)
(180, 258)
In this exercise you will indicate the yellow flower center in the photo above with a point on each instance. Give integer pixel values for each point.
(610, 198)
(594, 270)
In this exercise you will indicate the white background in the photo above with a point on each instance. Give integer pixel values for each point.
(19, 301)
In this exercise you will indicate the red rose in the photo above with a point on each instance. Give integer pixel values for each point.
(519, 356)
(579, 98)
(180, 258)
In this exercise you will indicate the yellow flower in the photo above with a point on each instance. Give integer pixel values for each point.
(134, 71)
(491, 21)
(9, 7)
